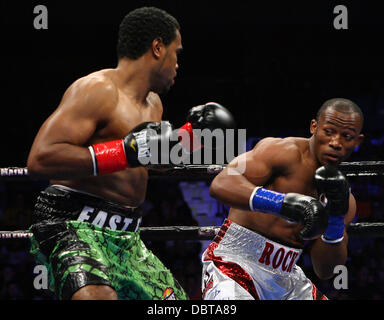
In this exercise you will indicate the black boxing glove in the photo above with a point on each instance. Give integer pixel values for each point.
(207, 116)
(293, 207)
(146, 144)
(211, 116)
(334, 191)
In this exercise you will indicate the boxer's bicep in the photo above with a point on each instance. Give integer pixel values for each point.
(236, 183)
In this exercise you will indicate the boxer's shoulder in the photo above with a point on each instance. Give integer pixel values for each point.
(96, 91)
(281, 149)
(99, 82)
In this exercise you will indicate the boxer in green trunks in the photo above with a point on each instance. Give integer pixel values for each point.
(92, 147)
(78, 248)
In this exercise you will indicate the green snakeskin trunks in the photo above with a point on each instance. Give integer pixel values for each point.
(84, 240)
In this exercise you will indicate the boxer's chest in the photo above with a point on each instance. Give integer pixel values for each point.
(126, 116)
(298, 179)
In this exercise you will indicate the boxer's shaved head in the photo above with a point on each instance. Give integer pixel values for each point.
(341, 105)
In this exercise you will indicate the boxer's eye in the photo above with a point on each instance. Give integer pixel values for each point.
(348, 137)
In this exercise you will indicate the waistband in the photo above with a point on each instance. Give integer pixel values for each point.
(249, 245)
(65, 188)
(62, 203)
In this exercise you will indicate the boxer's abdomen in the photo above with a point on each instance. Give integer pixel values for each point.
(127, 187)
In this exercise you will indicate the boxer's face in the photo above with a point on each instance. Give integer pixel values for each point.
(167, 65)
(336, 135)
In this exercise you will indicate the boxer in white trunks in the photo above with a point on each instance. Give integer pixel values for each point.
(291, 192)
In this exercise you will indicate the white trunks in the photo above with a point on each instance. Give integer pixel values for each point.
(240, 264)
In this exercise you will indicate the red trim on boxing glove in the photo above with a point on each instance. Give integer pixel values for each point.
(108, 157)
(192, 144)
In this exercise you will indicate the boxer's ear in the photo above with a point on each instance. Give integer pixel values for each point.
(157, 47)
(313, 126)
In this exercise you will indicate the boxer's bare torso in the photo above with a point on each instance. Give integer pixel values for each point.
(94, 109)
(296, 175)
(283, 165)
(105, 106)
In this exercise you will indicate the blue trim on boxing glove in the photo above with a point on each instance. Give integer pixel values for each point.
(335, 229)
(266, 201)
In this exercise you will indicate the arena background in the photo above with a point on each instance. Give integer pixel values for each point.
(272, 65)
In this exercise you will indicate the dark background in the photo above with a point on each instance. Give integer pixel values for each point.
(272, 65)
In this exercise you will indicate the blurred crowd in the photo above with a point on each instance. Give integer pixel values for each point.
(188, 204)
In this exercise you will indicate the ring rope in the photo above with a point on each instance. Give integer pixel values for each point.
(351, 169)
(362, 229)
(362, 168)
